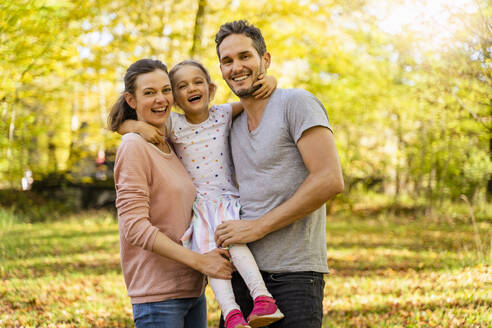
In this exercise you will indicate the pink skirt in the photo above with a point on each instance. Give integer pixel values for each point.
(207, 215)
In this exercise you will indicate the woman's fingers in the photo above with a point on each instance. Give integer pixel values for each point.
(217, 264)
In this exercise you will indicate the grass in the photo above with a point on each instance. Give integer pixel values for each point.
(387, 271)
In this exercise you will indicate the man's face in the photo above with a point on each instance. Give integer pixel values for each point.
(241, 64)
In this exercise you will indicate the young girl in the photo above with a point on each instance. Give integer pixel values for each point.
(200, 139)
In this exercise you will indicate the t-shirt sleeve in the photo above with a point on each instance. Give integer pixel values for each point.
(131, 176)
(304, 111)
(226, 111)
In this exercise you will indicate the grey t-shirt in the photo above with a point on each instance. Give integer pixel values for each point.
(269, 169)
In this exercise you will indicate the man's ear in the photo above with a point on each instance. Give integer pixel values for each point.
(130, 100)
(212, 87)
(266, 60)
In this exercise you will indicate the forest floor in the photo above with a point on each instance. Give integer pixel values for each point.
(386, 271)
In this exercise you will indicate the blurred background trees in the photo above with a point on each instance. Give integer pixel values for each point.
(407, 83)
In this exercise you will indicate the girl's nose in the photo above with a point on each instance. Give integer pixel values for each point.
(191, 87)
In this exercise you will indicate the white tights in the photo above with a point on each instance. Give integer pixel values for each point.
(245, 263)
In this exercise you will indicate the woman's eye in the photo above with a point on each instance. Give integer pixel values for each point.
(167, 90)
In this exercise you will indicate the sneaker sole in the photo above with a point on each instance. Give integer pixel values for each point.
(265, 320)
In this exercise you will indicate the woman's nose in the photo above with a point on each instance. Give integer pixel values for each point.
(160, 98)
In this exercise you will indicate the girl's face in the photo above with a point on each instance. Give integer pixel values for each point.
(153, 97)
(192, 91)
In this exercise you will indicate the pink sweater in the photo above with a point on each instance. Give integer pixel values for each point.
(154, 192)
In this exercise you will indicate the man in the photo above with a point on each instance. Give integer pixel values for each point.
(287, 167)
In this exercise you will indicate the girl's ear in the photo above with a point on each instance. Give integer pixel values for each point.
(212, 87)
(130, 100)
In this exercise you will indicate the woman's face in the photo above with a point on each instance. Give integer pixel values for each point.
(153, 97)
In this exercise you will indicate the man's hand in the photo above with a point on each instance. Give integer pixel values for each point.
(238, 232)
(216, 264)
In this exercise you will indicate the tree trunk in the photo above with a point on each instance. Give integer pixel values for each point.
(197, 32)
(489, 184)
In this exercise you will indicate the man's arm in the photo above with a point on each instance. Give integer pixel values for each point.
(324, 181)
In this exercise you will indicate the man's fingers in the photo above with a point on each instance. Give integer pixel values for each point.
(219, 241)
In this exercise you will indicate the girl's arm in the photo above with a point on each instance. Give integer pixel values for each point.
(148, 132)
(267, 83)
(237, 108)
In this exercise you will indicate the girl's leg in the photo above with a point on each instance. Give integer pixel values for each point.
(245, 263)
(224, 295)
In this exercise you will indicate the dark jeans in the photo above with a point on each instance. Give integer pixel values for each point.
(299, 296)
(175, 313)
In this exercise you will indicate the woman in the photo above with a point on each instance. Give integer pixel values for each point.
(154, 200)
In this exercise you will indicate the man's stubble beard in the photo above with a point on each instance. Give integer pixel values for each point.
(246, 93)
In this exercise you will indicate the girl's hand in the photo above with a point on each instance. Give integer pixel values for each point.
(216, 264)
(268, 85)
(149, 132)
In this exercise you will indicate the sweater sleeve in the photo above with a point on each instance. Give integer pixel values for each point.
(132, 178)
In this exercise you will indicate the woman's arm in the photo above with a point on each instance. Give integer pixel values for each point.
(213, 264)
(148, 132)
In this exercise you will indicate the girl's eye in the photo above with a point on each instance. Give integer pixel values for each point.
(181, 86)
(199, 82)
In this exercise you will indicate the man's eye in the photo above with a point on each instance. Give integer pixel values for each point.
(148, 93)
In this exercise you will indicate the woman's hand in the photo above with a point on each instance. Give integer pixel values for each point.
(216, 264)
(267, 83)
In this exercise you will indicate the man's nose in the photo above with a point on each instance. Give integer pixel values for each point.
(236, 66)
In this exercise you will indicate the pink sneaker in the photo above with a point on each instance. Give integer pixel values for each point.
(265, 312)
(235, 319)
